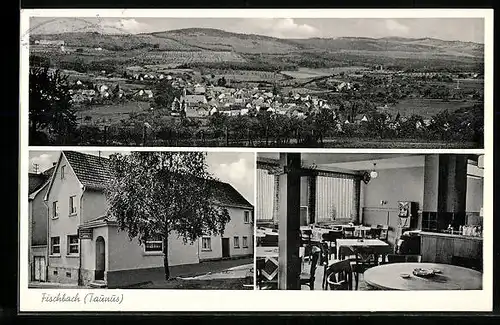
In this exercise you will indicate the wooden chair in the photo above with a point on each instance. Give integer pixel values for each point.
(262, 282)
(308, 278)
(305, 241)
(348, 232)
(269, 241)
(384, 233)
(339, 276)
(374, 233)
(413, 258)
(345, 252)
(366, 257)
(331, 238)
(395, 258)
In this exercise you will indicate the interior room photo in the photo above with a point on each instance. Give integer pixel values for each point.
(335, 221)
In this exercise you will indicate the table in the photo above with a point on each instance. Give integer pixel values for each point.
(377, 243)
(388, 277)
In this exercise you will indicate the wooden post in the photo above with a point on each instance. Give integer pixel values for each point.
(289, 223)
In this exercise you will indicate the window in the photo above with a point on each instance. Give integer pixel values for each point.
(246, 217)
(73, 244)
(63, 169)
(335, 198)
(245, 242)
(266, 195)
(154, 245)
(206, 244)
(236, 242)
(55, 246)
(55, 210)
(72, 206)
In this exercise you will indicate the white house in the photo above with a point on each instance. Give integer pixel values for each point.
(86, 246)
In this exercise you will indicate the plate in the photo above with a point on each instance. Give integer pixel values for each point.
(423, 272)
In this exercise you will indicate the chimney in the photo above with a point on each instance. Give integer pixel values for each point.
(54, 163)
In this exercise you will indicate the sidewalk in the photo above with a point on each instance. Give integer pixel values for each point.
(139, 277)
(52, 285)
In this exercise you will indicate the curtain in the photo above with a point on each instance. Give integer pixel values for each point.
(265, 195)
(335, 198)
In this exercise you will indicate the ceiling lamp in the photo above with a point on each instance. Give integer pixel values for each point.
(374, 173)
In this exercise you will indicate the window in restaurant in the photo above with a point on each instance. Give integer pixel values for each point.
(335, 198)
(265, 195)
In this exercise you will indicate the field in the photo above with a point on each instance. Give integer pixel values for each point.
(304, 73)
(426, 107)
(112, 113)
(176, 58)
(249, 76)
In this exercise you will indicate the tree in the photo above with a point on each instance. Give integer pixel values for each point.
(165, 94)
(50, 106)
(157, 194)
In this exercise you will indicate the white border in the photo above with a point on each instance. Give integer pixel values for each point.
(189, 300)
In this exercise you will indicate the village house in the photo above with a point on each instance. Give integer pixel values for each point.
(37, 216)
(85, 245)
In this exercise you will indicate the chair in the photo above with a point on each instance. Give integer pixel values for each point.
(366, 258)
(305, 241)
(339, 276)
(413, 258)
(269, 241)
(308, 278)
(331, 238)
(395, 258)
(375, 233)
(384, 233)
(344, 252)
(262, 282)
(348, 232)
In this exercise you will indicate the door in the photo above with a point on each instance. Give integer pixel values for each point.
(39, 272)
(225, 247)
(100, 258)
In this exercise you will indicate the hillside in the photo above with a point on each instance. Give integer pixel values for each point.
(196, 39)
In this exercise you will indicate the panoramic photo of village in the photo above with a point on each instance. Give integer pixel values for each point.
(248, 82)
(101, 220)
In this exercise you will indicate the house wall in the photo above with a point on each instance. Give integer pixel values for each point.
(235, 227)
(391, 185)
(64, 225)
(39, 219)
(88, 251)
(126, 254)
(94, 205)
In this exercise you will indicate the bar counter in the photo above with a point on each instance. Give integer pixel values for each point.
(449, 248)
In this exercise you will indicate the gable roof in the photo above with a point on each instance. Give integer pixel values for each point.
(226, 194)
(92, 171)
(35, 181)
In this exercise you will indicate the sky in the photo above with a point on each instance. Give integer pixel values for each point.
(235, 168)
(461, 29)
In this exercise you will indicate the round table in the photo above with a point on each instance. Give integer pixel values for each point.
(388, 277)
